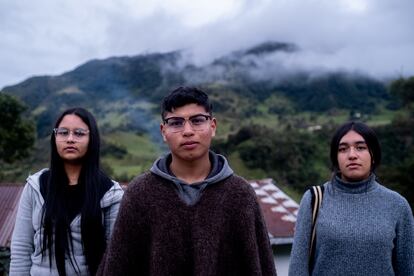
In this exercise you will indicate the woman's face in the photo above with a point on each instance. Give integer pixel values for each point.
(354, 158)
(72, 138)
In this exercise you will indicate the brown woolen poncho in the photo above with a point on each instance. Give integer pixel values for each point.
(156, 233)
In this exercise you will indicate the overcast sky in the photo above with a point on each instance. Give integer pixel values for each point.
(49, 37)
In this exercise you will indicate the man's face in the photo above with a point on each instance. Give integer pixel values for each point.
(188, 139)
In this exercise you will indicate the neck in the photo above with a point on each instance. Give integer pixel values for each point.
(72, 172)
(191, 171)
(355, 187)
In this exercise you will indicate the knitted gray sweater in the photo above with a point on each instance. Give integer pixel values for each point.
(362, 229)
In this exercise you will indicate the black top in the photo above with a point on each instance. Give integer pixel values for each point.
(73, 196)
(74, 200)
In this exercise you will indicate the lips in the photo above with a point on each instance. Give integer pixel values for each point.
(70, 149)
(353, 165)
(189, 144)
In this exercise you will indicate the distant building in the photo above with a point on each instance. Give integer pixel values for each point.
(314, 128)
(280, 212)
(9, 201)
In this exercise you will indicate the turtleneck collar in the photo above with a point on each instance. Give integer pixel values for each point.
(363, 186)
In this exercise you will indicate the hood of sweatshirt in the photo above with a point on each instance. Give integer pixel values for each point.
(191, 193)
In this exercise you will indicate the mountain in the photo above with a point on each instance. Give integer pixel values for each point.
(250, 73)
(246, 86)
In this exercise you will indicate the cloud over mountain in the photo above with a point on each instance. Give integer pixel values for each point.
(46, 37)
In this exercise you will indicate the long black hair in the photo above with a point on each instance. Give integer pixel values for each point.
(94, 183)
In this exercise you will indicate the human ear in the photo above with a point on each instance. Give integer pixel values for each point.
(162, 132)
(214, 126)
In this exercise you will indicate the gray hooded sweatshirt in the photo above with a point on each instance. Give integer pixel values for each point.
(26, 256)
(190, 194)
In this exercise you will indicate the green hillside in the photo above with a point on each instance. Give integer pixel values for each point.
(271, 122)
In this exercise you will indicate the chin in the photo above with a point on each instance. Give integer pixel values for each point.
(191, 156)
(76, 160)
(355, 178)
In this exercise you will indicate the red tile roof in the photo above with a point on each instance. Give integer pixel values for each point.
(279, 210)
(9, 201)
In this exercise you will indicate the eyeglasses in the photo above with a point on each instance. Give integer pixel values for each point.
(197, 122)
(62, 134)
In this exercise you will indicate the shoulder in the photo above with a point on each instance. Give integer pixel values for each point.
(113, 195)
(393, 198)
(238, 184)
(33, 180)
(116, 188)
(144, 186)
(31, 190)
(140, 195)
(307, 196)
(236, 191)
(141, 181)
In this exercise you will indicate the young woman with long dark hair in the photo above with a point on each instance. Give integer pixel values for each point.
(67, 212)
(362, 227)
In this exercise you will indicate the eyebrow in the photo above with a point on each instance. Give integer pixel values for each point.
(75, 128)
(355, 143)
(192, 116)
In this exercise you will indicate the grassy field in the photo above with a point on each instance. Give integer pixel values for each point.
(141, 154)
(253, 174)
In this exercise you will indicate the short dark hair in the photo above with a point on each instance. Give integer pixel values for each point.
(369, 136)
(184, 95)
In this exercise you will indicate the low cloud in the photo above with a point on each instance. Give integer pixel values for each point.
(47, 37)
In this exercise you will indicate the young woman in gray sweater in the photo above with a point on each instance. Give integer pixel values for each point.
(362, 227)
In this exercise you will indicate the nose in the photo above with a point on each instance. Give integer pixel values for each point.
(188, 129)
(352, 154)
(70, 137)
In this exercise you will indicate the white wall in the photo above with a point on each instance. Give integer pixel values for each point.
(282, 256)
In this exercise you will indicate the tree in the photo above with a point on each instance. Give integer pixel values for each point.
(290, 156)
(398, 144)
(404, 90)
(17, 134)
